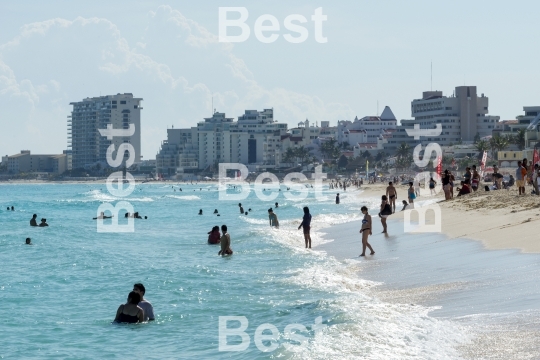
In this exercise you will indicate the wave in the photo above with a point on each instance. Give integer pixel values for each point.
(185, 197)
(360, 325)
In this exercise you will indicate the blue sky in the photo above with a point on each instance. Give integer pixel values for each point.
(56, 52)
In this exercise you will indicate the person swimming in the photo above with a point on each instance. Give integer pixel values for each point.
(215, 211)
(12, 208)
(277, 205)
(214, 236)
(102, 216)
(28, 241)
(43, 223)
(200, 211)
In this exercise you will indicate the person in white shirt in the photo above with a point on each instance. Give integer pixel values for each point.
(144, 304)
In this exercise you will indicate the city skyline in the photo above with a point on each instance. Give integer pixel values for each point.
(51, 56)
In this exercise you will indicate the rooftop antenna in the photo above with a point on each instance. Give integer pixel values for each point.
(431, 75)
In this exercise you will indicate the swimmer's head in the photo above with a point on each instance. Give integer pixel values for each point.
(246, 213)
(34, 216)
(134, 298)
(28, 241)
(139, 288)
(145, 217)
(224, 228)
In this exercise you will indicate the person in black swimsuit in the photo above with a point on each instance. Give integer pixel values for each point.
(130, 312)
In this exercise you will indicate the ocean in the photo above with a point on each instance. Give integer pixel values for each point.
(59, 296)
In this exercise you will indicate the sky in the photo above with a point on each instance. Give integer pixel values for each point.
(377, 54)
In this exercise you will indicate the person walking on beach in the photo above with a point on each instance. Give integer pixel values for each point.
(272, 217)
(536, 169)
(411, 194)
(432, 184)
(144, 304)
(33, 221)
(385, 211)
(225, 242)
(306, 224)
(446, 185)
(391, 193)
(519, 178)
(337, 198)
(366, 231)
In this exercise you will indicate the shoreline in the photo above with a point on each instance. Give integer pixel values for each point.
(499, 219)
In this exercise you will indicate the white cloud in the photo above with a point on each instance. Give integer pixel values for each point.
(175, 68)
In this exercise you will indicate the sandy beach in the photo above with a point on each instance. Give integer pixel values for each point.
(499, 219)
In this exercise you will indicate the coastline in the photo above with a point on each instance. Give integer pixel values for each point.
(498, 219)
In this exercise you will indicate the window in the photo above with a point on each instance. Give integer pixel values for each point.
(122, 101)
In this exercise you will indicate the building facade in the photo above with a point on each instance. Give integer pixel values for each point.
(463, 118)
(88, 147)
(26, 162)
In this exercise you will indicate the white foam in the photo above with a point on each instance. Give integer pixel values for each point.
(185, 197)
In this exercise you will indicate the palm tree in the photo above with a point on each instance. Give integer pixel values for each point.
(289, 155)
(403, 150)
(519, 139)
(498, 143)
(302, 153)
(481, 146)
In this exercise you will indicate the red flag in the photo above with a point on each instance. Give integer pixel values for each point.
(439, 166)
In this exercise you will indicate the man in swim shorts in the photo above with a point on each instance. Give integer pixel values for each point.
(391, 193)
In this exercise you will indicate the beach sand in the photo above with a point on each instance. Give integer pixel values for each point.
(499, 219)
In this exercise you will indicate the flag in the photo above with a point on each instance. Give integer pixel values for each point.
(367, 168)
(483, 163)
(439, 166)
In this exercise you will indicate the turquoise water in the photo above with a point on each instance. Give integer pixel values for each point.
(59, 296)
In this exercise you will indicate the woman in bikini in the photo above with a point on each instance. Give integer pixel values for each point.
(432, 184)
(366, 231)
(130, 312)
(386, 210)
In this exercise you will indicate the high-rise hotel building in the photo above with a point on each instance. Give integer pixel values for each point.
(86, 143)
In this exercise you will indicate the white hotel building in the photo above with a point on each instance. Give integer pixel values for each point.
(86, 143)
(254, 140)
(463, 117)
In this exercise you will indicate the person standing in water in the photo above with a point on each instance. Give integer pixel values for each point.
(366, 231)
(241, 209)
(130, 312)
(225, 242)
(272, 217)
(306, 224)
(386, 211)
(411, 193)
(33, 221)
(337, 198)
